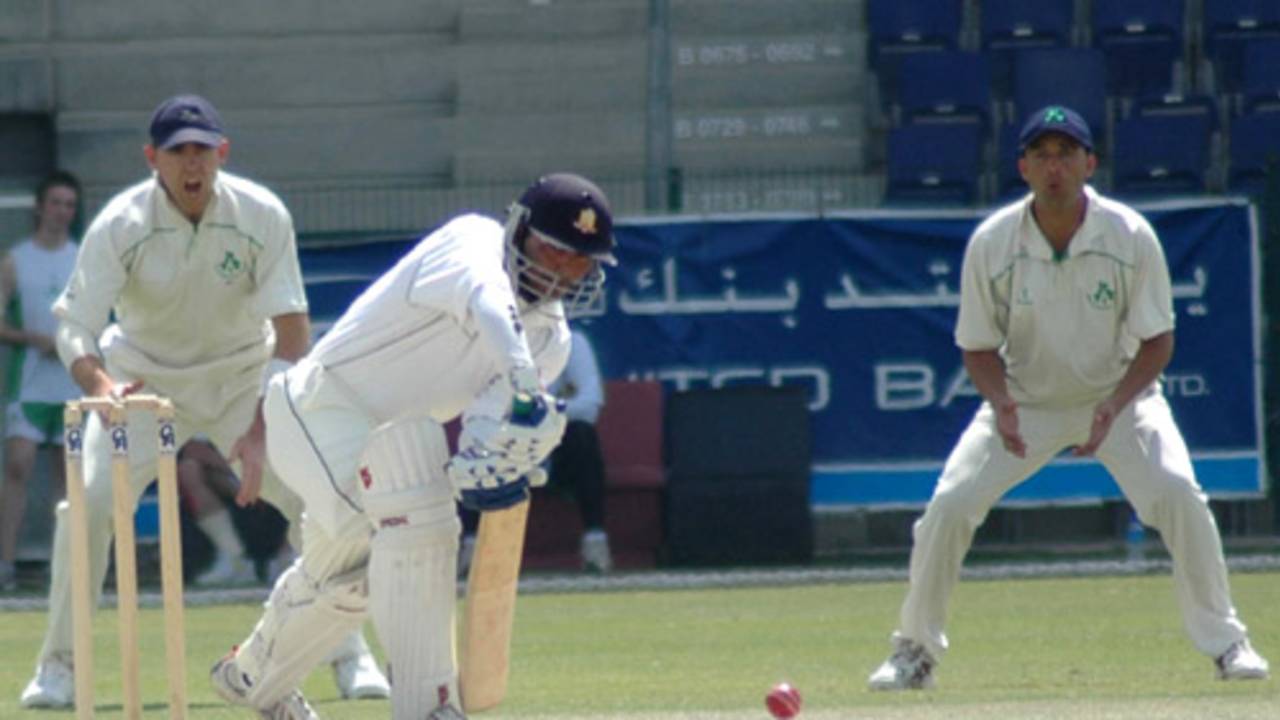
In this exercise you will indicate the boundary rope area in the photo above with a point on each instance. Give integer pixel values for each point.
(700, 580)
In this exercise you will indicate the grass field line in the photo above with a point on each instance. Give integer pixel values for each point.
(704, 579)
(1129, 709)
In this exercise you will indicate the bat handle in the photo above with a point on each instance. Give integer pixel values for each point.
(529, 410)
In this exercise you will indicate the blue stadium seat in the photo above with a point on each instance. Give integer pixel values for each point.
(1255, 149)
(1141, 39)
(947, 86)
(1171, 103)
(1075, 77)
(934, 164)
(1011, 25)
(1261, 83)
(897, 28)
(1228, 26)
(1161, 155)
(1009, 183)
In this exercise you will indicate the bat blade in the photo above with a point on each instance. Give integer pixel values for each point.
(490, 607)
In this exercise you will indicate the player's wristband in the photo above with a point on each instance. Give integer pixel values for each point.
(276, 365)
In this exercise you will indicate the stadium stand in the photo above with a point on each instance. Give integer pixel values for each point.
(899, 28)
(1009, 183)
(1009, 26)
(1255, 152)
(1229, 25)
(1143, 42)
(945, 86)
(934, 164)
(1260, 87)
(1161, 155)
(1041, 78)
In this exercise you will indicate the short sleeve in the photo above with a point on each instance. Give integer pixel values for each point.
(97, 280)
(1151, 299)
(977, 326)
(280, 290)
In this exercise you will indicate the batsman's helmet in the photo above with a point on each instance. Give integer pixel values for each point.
(568, 212)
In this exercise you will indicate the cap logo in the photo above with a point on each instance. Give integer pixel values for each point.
(586, 222)
(1055, 115)
(190, 115)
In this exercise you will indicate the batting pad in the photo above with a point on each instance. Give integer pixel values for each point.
(412, 588)
(302, 623)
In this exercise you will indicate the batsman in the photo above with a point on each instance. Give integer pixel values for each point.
(470, 322)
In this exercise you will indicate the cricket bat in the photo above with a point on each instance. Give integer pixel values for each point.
(491, 607)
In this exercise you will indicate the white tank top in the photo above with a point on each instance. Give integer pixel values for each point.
(41, 276)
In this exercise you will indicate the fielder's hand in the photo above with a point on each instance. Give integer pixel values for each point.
(1103, 416)
(250, 450)
(1007, 427)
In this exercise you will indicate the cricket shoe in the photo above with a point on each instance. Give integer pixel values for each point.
(595, 552)
(358, 678)
(910, 667)
(8, 576)
(228, 570)
(233, 686)
(52, 687)
(446, 712)
(1241, 662)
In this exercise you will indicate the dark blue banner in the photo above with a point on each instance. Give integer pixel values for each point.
(859, 311)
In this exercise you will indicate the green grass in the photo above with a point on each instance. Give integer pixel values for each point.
(1056, 648)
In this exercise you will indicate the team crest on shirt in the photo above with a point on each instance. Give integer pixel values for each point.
(1103, 297)
(230, 267)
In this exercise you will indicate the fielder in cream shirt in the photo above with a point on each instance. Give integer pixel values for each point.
(200, 268)
(1066, 323)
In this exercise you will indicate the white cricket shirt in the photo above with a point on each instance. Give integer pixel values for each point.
(192, 302)
(413, 342)
(1067, 327)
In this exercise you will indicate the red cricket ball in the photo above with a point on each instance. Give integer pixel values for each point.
(783, 701)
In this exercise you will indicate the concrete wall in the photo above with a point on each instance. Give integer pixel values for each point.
(413, 96)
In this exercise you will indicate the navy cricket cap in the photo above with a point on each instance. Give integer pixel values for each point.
(1059, 119)
(185, 119)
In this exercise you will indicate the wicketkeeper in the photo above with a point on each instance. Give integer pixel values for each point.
(471, 319)
(187, 284)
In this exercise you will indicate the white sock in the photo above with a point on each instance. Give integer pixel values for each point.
(222, 532)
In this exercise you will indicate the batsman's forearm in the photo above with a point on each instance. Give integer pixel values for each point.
(986, 370)
(1152, 358)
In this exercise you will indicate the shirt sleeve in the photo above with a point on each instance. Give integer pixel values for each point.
(582, 374)
(99, 275)
(278, 275)
(1151, 301)
(976, 325)
(460, 272)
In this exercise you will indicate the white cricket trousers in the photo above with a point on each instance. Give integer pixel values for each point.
(143, 449)
(1146, 455)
